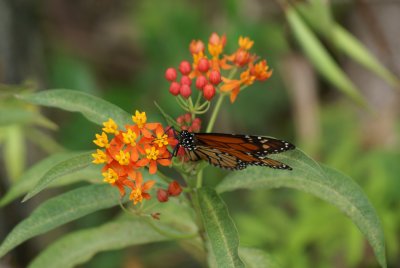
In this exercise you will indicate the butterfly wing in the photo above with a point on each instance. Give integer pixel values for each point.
(215, 157)
(254, 145)
(231, 159)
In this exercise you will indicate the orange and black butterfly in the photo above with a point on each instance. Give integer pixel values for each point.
(232, 151)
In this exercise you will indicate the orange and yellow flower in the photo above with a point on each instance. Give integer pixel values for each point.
(140, 190)
(127, 152)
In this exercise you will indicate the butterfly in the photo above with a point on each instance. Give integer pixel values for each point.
(231, 151)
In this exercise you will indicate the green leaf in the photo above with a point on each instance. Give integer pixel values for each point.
(326, 183)
(254, 258)
(14, 152)
(32, 176)
(43, 140)
(221, 230)
(59, 210)
(321, 59)
(76, 248)
(93, 108)
(80, 246)
(355, 49)
(316, 15)
(19, 115)
(67, 166)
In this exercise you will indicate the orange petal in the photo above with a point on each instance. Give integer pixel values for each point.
(146, 133)
(143, 162)
(225, 65)
(164, 162)
(152, 126)
(230, 85)
(120, 188)
(153, 167)
(132, 173)
(159, 130)
(139, 178)
(147, 185)
(134, 154)
(146, 196)
(128, 183)
(234, 94)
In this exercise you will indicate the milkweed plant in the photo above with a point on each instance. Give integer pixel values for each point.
(141, 167)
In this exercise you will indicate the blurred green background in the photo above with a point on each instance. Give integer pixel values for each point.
(119, 50)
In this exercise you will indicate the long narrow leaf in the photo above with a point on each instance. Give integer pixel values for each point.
(325, 183)
(67, 166)
(14, 151)
(221, 230)
(73, 249)
(60, 210)
(20, 115)
(32, 176)
(93, 108)
(80, 246)
(321, 58)
(355, 49)
(343, 40)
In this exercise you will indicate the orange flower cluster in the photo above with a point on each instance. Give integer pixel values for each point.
(242, 58)
(140, 145)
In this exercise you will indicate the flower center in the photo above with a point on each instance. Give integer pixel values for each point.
(101, 140)
(123, 158)
(110, 176)
(129, 137)
(161, 140)
(152, 154)
(110, 127)
(139, 118)
(99, 157)
(136, 196)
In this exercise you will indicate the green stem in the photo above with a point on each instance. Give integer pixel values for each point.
(203, 105)
(203, 110)
(215, 112)
(168, 118)
(183, 106)
(199, 178)
(198, 99)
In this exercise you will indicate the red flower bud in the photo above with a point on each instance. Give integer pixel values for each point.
(170, 74)
(185, 80)
(195, 127)
(214, 77)
(188, 117)
(201, 81)
(180, 120)
(208, 92)
(197, 121)
(174, 88)
(185, 67)
(162, 195)
(184, 127)
(203, 65)
(174, 189)
(196, 124)
(185, 91)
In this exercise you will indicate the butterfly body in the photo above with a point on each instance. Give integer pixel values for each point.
(232, 151)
